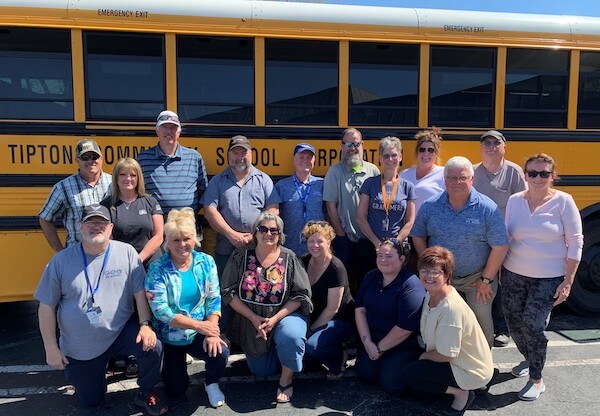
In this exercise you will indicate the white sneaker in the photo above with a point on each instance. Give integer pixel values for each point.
(531, 391)
(189, 359)
(215, 395)
(521, 369)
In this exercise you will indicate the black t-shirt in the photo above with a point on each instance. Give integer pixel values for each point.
(133, 223)
(335, 275)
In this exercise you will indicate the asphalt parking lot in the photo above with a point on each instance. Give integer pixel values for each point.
(572, 374)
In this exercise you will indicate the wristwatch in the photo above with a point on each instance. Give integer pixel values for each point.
(145, 323)
(486, 280)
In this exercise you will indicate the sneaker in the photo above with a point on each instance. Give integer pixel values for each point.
(501, 340)
(152, 403)
(215, 395)
(189, 359)
(521, 370)
(531, 391)
(131, 370)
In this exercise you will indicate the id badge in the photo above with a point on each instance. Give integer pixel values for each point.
(93, 314)
(385, 224)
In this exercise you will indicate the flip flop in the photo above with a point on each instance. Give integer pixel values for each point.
(281, 389)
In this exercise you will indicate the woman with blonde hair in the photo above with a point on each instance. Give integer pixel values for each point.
(184, 294)
(137, 217)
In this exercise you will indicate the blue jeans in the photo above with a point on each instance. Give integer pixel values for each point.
(174, 371)
(89, 376)
(287, 349)
(326, 344)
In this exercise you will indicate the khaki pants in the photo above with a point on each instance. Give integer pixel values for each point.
(483, 311)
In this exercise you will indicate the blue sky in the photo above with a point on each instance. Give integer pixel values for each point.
(565, 7)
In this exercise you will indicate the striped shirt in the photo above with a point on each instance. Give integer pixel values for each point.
(175, 181)
(67, 199)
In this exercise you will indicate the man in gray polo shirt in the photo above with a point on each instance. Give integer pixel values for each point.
(234, 198)
(341, 191)
(470, 225)
(498, 179)
(91, 291)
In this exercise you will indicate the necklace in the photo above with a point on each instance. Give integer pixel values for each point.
(128, 203)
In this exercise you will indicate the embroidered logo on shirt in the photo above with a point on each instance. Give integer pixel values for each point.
(142, 212)
(472, 221)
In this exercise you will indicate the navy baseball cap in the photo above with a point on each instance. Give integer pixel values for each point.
(301, 147)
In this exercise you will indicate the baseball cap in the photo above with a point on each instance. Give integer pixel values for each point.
(239, 141)
(301, 147)
(87, 145)
(493, 133)
(95, 210)
(167, 117)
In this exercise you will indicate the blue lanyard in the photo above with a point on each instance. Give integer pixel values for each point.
(303, 197)
(93, 291)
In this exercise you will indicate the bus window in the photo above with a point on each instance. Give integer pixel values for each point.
(301, 82)
(384, 84)
(36, 81)
(461, 86)
(215, 79)
(588, 114)
(536, 88)
(124, 76)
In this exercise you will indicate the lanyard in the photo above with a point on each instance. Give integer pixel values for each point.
(387, 202)
(93, 291)
(303, 197)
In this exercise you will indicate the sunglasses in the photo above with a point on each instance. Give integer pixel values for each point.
(534, 173)
(491, 143)
(263, 230)
(167, 117)
(350, 145)
(93, 156)
(426, 149)
(313, 222)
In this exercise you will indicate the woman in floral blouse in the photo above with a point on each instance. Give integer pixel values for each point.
(269, 289)
(182, 288)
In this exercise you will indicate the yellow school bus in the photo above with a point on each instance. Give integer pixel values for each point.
(282, 73)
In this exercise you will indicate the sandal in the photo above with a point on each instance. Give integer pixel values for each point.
(281, 389)
(333, 376)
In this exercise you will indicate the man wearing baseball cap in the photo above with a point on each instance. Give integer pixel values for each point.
(301, 198)
(91, 291)
(498, 179)
(174, 174)
(89, 185)
(234, 198)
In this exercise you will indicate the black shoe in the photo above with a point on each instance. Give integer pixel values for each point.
(152, 403)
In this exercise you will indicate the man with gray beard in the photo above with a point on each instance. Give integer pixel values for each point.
(341, 195)
(234, 198)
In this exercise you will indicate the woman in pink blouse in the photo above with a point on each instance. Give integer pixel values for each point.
(545, 245)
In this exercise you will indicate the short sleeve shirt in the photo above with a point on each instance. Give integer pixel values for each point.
(67, 199)
(376, 214)
(239, 206)
(292, 209)
(398, 304)
(175, 181)
(469, 233)
(63, 284)
(501, 186)
(342, 186)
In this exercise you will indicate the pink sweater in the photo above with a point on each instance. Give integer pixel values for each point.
(541, 241)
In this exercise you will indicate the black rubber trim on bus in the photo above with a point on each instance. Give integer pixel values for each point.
(91, 129)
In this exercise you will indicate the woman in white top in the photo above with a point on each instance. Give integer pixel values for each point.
(544, 250)
(427, 176)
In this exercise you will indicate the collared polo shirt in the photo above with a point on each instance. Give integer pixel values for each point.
(342, 186)
(239, 206)
(174, 181)
(67, 199)
(469, 233)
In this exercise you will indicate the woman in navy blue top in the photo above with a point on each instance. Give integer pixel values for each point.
(388, 310)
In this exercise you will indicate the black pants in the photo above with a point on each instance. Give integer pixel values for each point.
(428, 377)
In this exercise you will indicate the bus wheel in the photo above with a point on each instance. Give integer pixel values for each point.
(585, 294)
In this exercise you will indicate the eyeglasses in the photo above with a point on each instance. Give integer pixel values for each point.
(263, 230)
(491, 143)
(93, 156)
(534, 173)
(168, 117)
(99, 224)
(426, 149)
(392, 156)
(459, 179)
(350, 145)
(431, 272)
